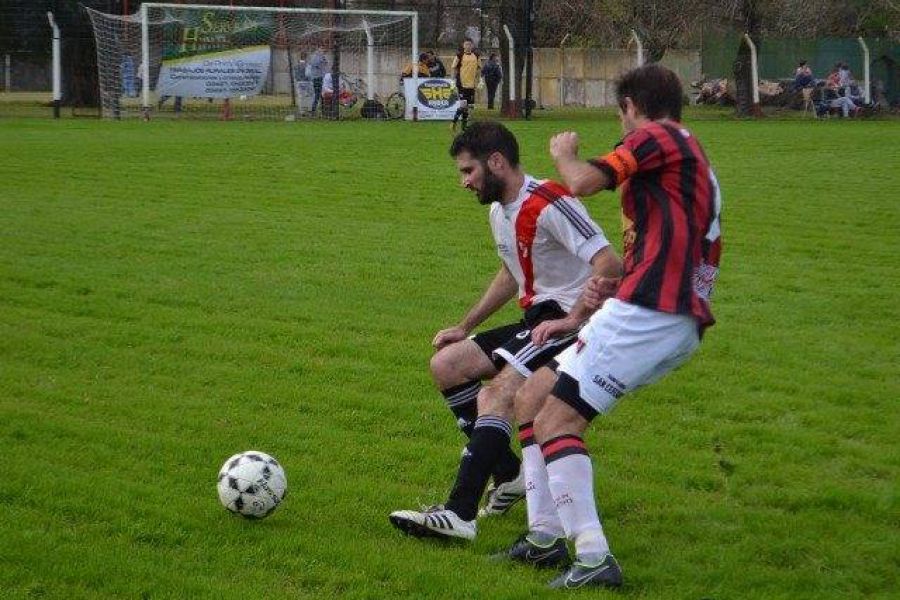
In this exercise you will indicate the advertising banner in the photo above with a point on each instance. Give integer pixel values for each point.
(436, 99)
(225, 74)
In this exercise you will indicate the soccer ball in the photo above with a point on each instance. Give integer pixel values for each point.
(251, 484)
(243, 96)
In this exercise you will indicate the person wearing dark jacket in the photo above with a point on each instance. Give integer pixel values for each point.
(492, 73)
(436, 66)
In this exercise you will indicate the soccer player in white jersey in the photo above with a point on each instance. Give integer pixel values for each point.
(548, 247)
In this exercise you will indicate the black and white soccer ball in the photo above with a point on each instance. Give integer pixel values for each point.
(251, 484)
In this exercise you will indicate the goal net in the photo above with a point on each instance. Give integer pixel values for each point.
(206, 61)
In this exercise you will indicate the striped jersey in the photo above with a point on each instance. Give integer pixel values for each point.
(671, 207)
(546, 239)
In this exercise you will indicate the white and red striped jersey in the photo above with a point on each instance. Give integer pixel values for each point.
(546, 239)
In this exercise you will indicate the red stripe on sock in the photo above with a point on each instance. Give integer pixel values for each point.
(525, 433)
(554, 446)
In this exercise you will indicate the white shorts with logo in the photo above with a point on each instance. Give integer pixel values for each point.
(621, 348)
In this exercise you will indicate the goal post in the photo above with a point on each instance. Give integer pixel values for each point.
(250, 62)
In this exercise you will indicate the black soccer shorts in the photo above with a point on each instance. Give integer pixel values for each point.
(467, 94)
(511, 344)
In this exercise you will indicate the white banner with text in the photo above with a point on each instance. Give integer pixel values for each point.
(435, 99)
(226, 74)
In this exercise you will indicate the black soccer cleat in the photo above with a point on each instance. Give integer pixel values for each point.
(554, 554)
(605, 574)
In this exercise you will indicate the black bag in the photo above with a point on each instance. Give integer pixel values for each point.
(372, 109)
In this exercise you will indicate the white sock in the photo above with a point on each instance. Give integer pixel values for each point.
(542, 515)
(571, 480)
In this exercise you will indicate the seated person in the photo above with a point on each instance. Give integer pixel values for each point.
(345, 96)
(803, 76)
(835, 94)
(422, 67)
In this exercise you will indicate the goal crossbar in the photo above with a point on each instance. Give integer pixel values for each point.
(286, 9)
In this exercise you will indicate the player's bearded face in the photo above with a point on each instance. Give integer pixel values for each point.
(491, 189)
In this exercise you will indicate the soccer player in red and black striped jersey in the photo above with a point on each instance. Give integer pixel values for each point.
(652, 323)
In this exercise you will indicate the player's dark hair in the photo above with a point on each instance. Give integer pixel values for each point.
(483, 138)
(655, 90)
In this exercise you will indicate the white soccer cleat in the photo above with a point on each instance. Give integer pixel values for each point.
(438, 522)
(500, 498)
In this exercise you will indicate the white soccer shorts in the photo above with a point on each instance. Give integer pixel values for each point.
(621, 348)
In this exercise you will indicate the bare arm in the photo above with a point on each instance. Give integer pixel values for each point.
(501, 290)
(606, 269)
(582, 178)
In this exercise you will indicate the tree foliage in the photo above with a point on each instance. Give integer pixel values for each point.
(663, 24)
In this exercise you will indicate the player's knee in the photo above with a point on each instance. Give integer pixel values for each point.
(443, 367)
(526, 403)
(557, 418)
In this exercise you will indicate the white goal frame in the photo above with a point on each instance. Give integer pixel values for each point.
(370, 60)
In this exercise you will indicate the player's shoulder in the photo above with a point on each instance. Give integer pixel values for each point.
(549, 190)
(648, 132)
(661, 129)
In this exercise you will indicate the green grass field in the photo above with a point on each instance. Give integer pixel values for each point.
(172, 293)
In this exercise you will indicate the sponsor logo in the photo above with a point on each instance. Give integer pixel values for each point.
(628, 234)
(536, 557)
(563, 499)
(502, 248)
(616, 381)
(523, 334)
(523, 249)
(704, 279)
(608, 386)
(437, 94)
(577, 581)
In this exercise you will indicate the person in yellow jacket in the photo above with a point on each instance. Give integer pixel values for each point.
(424, 70)
(467, 70)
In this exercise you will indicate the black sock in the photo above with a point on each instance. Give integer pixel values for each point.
(463, 403)
(490, 437)
(507, 467)
(465, 118)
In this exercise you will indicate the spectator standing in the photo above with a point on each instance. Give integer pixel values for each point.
(845, 77)
(492, 73)
(315, 72)
(467, 71)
